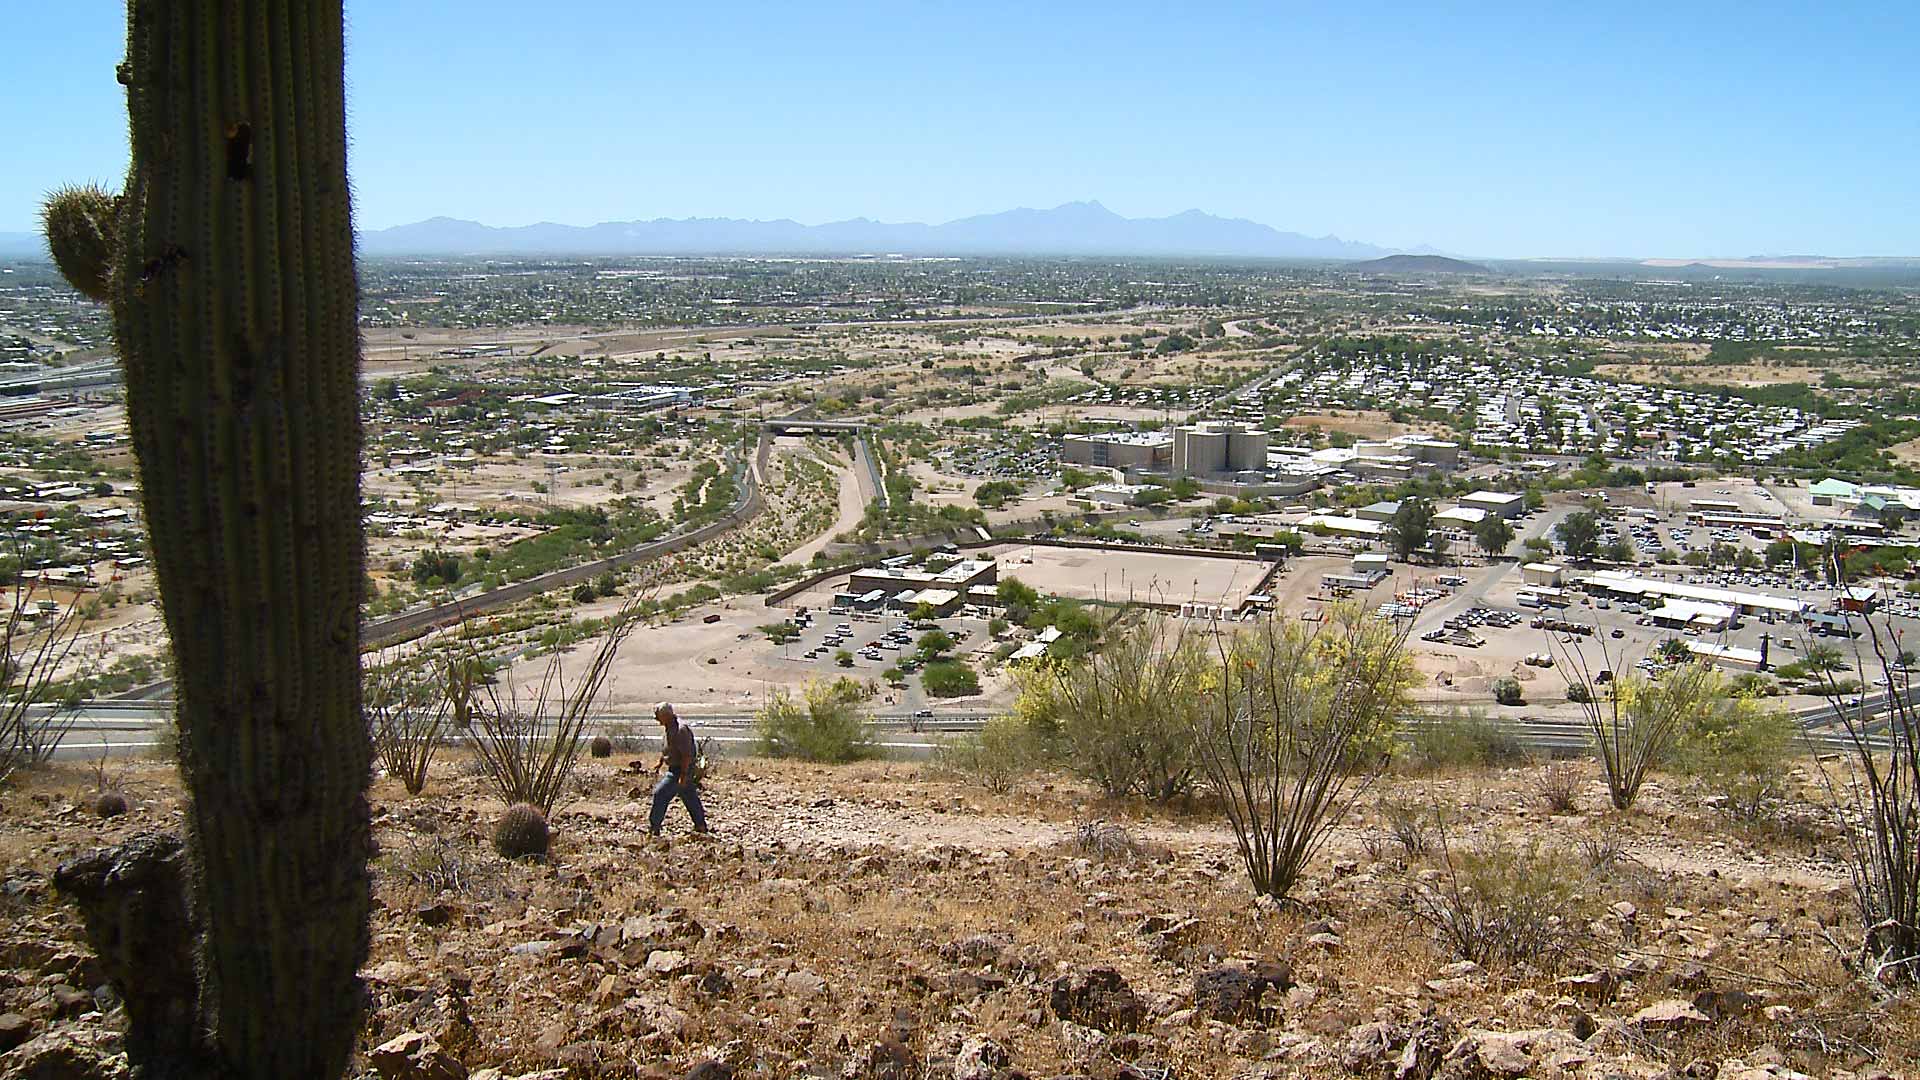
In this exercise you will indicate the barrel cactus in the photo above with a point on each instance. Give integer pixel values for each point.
(227, 263)
(600, 747)
(109, 804)
(522, 832)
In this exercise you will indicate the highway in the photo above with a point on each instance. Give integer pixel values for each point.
(127, 728)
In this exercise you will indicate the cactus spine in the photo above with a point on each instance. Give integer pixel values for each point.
(231, 281)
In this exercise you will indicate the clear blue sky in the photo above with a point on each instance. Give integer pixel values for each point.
(1682, 129)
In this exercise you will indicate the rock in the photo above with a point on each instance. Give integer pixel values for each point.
(61, 1055)
(1097, 997)
(1598, 985)
(662, 929)
(14, 1030)
(710, 1070)
(887, 1059)
(70, 1000)
(1369, 1047)
(1625, 911)
(1494, 1053)
(979, 1059)
(1721, 1004)
(1538, 1052)
(977, 949)
(1080, 1043)
(1461, 970)
(1779, 1014)
(1673, 1014)
(435, 913)
(415, 1056)
(390, 973)
(666, 961)
(1328, 942)
(804, 985)
(1232, 993)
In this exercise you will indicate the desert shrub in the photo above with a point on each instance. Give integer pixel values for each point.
(1461, 739)
(1125, 714)
(1411, 825)
(996, 757)
(33, 718)
(1499, 903)
(1637, 725)
(1559, 788)
(1878, 794)
(527, 741)
(1738, 746)
(1579, 694)
(824, 723)
(1508, 691)
(949, 678)
(1297, 724)
(409, 709)
(1107, 841)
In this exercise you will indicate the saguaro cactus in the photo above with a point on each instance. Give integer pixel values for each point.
(228, 265)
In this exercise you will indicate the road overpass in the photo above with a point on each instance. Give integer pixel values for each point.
(800, 425)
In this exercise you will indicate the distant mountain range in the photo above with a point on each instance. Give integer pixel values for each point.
(1077, 228)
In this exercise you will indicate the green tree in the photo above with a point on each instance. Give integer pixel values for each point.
(824, 723)
(1579, 534)
(934, 643)
(1018, 598)
(1493, 534)
(949, 677)
(1411, 527)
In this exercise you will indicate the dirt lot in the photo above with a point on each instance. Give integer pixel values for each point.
(1363, 424)
(1118, 575)
(884, 920)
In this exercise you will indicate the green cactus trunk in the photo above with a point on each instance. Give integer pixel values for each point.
(234, 302)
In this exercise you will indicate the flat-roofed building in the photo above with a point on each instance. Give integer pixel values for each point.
(1535, 573)
(1219, 449)
(1623, 585)
(1507, 504)
(1118, 449)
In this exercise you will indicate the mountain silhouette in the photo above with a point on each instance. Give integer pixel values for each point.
(1075, 228)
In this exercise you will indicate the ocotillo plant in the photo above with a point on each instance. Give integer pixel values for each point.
(228, 265)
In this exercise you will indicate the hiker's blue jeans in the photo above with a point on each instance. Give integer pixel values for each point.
(668, 789)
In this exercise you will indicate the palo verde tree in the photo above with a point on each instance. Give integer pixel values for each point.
(227, 262)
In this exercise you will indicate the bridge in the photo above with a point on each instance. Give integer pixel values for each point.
(796, 425)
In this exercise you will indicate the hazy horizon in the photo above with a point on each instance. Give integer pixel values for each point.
(1702, 132)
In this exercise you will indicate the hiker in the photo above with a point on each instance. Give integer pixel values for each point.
(681, 780)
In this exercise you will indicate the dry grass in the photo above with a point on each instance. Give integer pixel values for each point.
(860, 874)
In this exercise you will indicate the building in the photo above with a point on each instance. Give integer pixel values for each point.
(1118, 450)
(1727, 656)
(940, 587)
(1460, 517)
(1621, 585)
(1507, 504)
(1219, 450)
(1535, 573)
(1830, 492)
(1680, 614)
(1380, 511)
(1860, 599)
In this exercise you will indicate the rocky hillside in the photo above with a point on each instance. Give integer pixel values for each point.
(875, 921)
